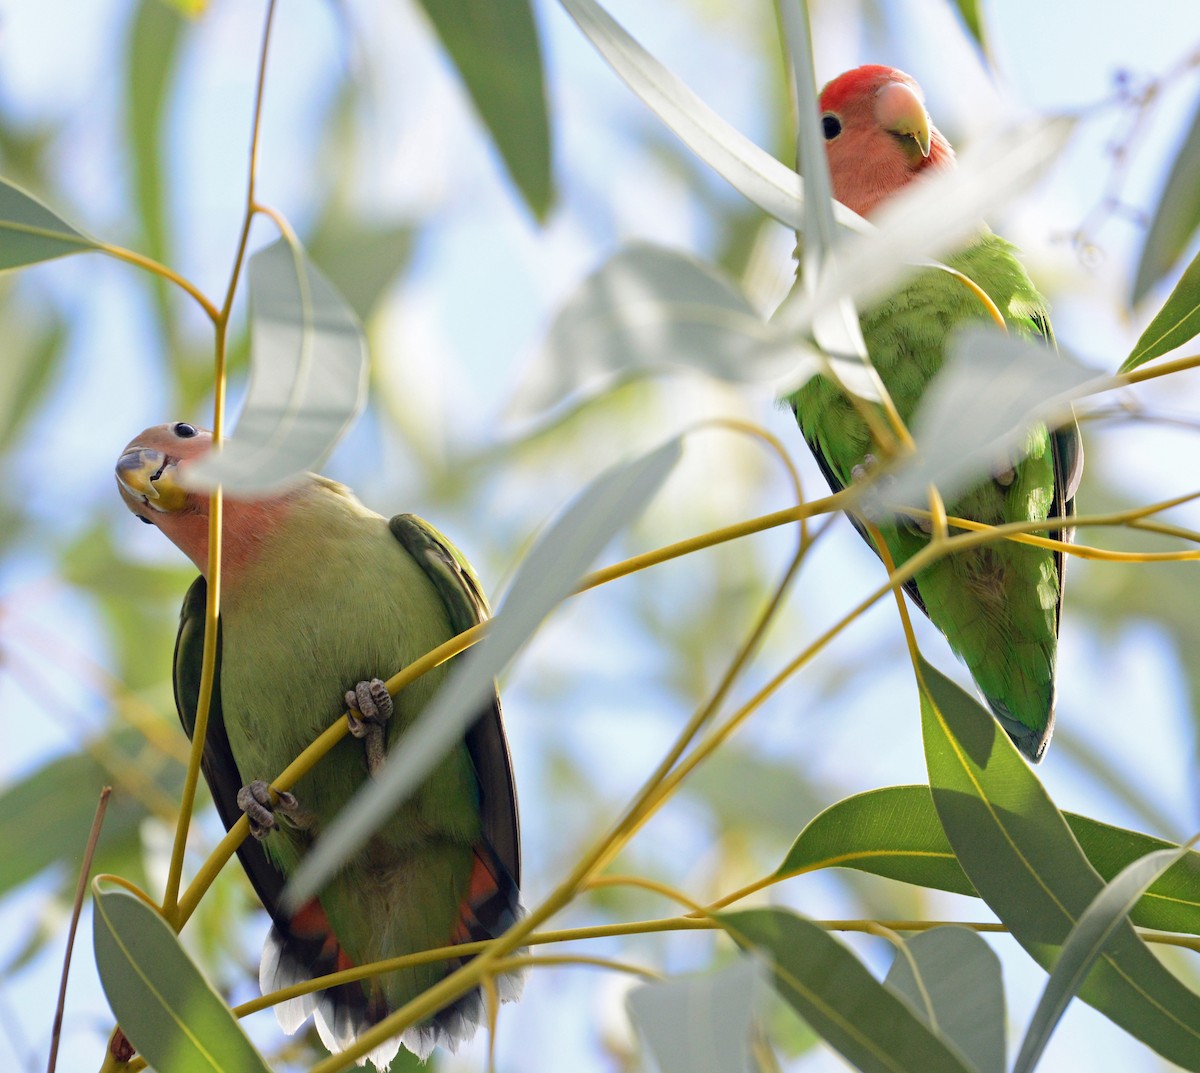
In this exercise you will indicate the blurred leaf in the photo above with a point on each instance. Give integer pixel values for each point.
(32, 354)
(47, 816)
(308, 377)
(745, 790)
(645, 309)
(546, 577)
(1174, 324)
(895, 832)
(30, 232)
(1177, 216)
(751, 171)
(360, 261)
(494, 45)
(153, 52)
(952, 979)
(971, 14)
(830, 988)
(977, 412)
(1087, 942)
(166, 1008)
(835, 326)
(699, 1023)
(1017, 850)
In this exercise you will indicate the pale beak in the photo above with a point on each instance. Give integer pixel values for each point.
(148, 476)
(900, 111)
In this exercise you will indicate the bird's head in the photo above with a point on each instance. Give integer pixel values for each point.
(878, 135)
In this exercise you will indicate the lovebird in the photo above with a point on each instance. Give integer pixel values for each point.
(1000, 605)
(321, 600)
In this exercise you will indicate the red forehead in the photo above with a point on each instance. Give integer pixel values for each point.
(859, 83)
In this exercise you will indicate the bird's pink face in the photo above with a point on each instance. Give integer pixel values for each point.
(148, 470)
(878, 136)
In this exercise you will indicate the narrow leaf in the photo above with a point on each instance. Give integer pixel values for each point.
(752, 171)
(495, 47)
(832, 990)
(1174, 324)
(166, 1008)
(1177, 216)
(308, 377)
(971, 14)
(30, 232)
(952, 979)
(1017, 850)
(978, 411)
(649, 309)
(895, 832)
(701, 1023)
(547, 575)
(1086, 943)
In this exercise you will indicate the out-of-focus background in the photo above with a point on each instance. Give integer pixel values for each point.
(371, 148)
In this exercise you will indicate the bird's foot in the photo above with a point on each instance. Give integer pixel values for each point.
(863, 470)
(1005, 477)
(370, 707)
(254, 800)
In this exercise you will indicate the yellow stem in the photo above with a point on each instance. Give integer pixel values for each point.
(151, 265)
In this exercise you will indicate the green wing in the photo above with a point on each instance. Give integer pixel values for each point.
(466, 606)
(217, 763)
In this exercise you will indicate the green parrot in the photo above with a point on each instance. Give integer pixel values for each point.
(320, 596)
(999, 606)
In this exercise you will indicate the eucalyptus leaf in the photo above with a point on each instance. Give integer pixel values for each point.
(1174, 324)
(977, 414)
(750, 170)
(308, 378)
(1021, 857)
(165, 1006)
(700, 1023)
(895, 832)
(866, 1022)
(546, 576)
(30, 232)
(971, 13)
(649, 309)
(952, 979)
(1177, 216)
(495, 48)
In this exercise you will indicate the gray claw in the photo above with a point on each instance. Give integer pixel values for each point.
(254, 800)
(371, 706)
(863, 469)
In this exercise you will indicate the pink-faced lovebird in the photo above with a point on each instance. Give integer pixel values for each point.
(321, 599)
(998, 605)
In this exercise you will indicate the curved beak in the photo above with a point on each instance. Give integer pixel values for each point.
(148, 476)
(901, 112)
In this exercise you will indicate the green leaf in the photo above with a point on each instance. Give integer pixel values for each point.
(1174, 324)
(830, 988)
(1019, 853)
(972, 16)
(308, 377)
(47, 816)
(32, 354)
(546, 577)
(30, 232)
(952, 979)
(494, 45)
(1176, 218)
(1086, 943)
(649, 309)
(895, 832)
(360, 261)
(166, 1008)
(699, 1023)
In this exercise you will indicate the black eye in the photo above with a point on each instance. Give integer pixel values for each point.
(143, 518)
(831, 125)
(183, 430)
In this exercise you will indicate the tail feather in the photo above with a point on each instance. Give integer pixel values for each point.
(303, 947)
